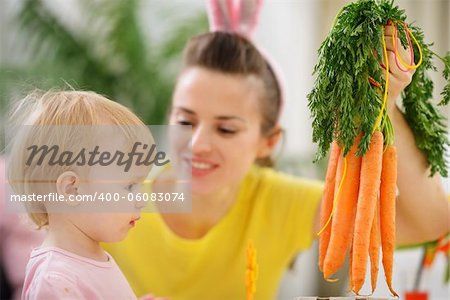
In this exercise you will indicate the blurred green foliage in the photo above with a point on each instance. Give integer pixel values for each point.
(110, 52)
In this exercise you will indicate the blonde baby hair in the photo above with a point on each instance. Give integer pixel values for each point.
(44, 109)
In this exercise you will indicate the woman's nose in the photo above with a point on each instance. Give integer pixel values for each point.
(201, 141)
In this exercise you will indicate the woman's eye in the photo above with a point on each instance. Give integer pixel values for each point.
(184, 122)
(227, 131)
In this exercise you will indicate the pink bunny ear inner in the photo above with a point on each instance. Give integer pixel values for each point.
(215, 15)
(220, 15)
(233, 7)
(248, 16)
(240, 16)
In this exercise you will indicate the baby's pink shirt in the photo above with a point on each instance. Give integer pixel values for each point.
(53, 273)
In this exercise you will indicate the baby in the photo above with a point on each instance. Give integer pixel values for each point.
(81, 202)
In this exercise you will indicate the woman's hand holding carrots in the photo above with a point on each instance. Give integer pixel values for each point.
(380, 198)
(362, 211)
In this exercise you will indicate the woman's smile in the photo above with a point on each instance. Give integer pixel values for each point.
(202, 167)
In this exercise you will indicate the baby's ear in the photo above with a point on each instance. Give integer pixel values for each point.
(67, 184)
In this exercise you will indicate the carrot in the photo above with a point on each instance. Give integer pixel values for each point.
(340, 173)
(344, 215)
(387, 212)
(350, 268)
(327, 202)
(374, 248)
(367, 199)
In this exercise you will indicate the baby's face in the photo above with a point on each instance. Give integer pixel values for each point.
(119, 208)
(106, 227)
(116, 191)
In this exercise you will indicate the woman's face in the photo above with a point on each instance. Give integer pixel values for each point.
(225, 115)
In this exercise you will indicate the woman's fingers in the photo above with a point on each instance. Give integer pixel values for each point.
(389, 42)
(403, 74)
(393, 43)
(389, 30)
(404, 53)
(399, 75)
(396, 55)
(398, 80)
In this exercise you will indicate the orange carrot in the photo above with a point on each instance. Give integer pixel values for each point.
(344, 214)
(350, 277)
(339, 174)
(387, 211)
(327, 202)
(367, 199)
(374, 248)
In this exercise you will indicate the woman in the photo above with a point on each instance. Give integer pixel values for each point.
(231, 97)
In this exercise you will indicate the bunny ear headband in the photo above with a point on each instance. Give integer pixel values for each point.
(241, 16)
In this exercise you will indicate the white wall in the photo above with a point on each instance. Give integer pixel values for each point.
(288, 31)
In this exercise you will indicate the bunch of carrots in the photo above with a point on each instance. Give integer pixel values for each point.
(358, 207)
(360, 196)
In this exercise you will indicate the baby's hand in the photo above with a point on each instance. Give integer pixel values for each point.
(151, 297)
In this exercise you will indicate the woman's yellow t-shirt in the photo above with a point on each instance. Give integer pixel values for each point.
(273, 210)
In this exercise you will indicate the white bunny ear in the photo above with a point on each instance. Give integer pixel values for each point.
(249, 11)
(220, 15)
